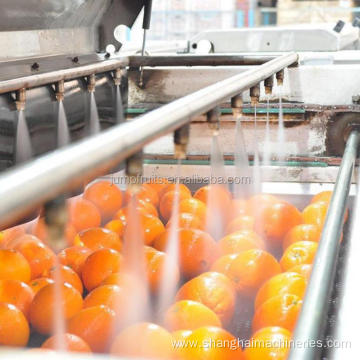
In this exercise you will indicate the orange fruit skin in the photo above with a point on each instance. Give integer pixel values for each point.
(83, 214)
(193, 206)
(152, 227)
(117, 226)
(69, 342)
(181, 334)
(258, 202)
(239, 207)
(107, 197)
(14, 328)
(95, 325)
(197, 250)
(302, 232)
(18, 294)
(275, 220)
(213, 343)
(146, 193)
(240, 241)
(99, 265)
(14, 266)
(174, 187)
(214, 290)
(167, 202)
(66, 275)
(250, 269)
(142, 207)
(158, 184)
(222, 265)
(186, 221)
(269, 335)
(74, 257)
(190, 315)
(143, 340)
(301, 252)
(217, 193)
(11, 234)
(302, 269)
(324, 196)
(284, 283)
(39, 283)
(124, 280)
(40, 257)
(47, 302)
(242, 222)
(282, 310)
(315, 214)
(98, 238)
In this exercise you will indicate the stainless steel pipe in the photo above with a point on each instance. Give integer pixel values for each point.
(51, 77)
(310, 326)
(32, 184)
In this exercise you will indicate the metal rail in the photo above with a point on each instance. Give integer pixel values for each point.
(310, 326)
(23, 188)
(51, 77)
(197, 60)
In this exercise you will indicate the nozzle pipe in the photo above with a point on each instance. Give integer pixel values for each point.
(20, 99)
(181, 140)
(60, 90)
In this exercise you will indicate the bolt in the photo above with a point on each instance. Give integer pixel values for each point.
(35, 66)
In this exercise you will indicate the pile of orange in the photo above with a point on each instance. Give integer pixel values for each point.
(124, 250)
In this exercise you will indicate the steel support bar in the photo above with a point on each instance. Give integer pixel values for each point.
(32, 184)
(51, 77)
(310, 326)
(197, 60)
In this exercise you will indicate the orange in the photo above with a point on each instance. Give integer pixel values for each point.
(98, 238)
(186, 221)
(193, 206)
(12, 244)
(212, 343)
(68, 342)
(275, 220)
(47, 302)
(142, 207)
(83, 214)
(242, 222)
(216, 193)
(214, 290)
(146, 193)
(239, 208)
(95, 325)
(197, 250)
(285, 283)
(301, 252)
(143, 340)
(302, 232)
(14, 328)
(315, 214)
(180, 335)
(269, 343)
(11, 234)
(282, 310)
(175, 187)
(239, 241)
(107, 197)
(14, 266)
(99, 265)
(117, 226)
(168, 200)
(257, 203)
(40, 257)
(74, 257)
(190, 315)
(123, 280)
(39, 283)
(302, 269)
(222, 264)
(157, 265)
(152, 227)
(324, 196)
(249, 269)
(66, 275)
(16, 293)
(158, 184)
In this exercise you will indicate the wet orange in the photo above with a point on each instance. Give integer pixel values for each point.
(302, 232)
(99, 265)
(222, 264)
(214, 290)
(282, 310)
(285, 283)
(39, 283)
(315, 214)
(12, 244)
(193, 206)
(48, 301)
(74, 257)
(167, 202)
(151, 227)
(301, 252)
(175, 187)
(141, 208)
(11, 234)
(98, 238)
(83, 214)
(190, 315)
(187, 221)
(125, 281)
(158, 184)
(277, 344)
(324, 196)
(146, 193)
(107, 197)
(250, 269)
(239, 207)
(14, 328)
(217, 194)
(117, 226)
(143, 340)
(242, 222)
(95, 325)
(258, 202)
(239, 241)
(302, 269)
(69, 342)
(14, 266)
(197, 250)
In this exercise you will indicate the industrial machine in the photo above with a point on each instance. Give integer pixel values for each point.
(55, 55)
